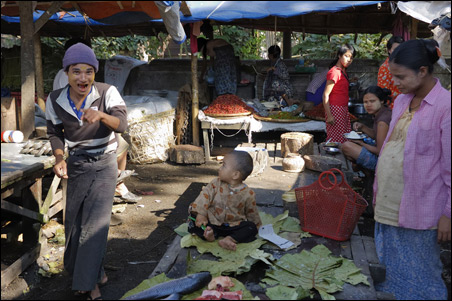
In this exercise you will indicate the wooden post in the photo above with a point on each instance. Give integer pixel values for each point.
(195, 99)
(287, 45)
(27, 72)
(39, 73)
(413, 33)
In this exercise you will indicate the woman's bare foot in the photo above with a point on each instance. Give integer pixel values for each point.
(208, 234)
(228, 243)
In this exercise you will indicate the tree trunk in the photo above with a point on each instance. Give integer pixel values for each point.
(296, 142)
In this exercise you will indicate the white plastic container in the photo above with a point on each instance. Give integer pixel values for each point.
(12, 136)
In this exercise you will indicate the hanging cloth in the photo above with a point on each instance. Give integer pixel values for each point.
(193, 41)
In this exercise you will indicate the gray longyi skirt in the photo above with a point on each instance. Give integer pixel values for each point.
(89, 199)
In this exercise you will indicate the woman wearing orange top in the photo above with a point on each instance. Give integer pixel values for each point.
(335, 96)
(384, 76)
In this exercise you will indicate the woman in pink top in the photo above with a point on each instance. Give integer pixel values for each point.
(412, 182)
(335, 96)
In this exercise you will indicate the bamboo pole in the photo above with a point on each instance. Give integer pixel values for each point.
(195, 99)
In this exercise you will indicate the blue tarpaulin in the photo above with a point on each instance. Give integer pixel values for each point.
(226, 11)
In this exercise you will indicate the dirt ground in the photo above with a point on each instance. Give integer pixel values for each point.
(147, 227)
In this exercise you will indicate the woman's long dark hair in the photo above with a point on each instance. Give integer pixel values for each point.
(341, 51)
(202, 44)
(414, 54)
(383, 94)
(275, 51)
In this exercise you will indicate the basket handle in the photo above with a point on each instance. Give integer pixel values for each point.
(327, 173)
(340, 172)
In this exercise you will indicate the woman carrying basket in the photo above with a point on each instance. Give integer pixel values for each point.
(412, 183)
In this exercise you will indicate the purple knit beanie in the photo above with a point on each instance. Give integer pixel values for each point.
(80, 54)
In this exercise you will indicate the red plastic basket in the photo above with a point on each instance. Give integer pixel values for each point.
(329, 209)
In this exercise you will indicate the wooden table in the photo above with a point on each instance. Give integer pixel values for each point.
(21, 177)
(249, 128)
(206, 125)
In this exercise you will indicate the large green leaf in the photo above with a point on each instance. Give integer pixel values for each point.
(238, 261)
(280, 292)
(147, 283)
(316, 269)
(182, 230)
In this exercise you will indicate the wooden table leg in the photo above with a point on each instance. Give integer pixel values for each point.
(205, 135)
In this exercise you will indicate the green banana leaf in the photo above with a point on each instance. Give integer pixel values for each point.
(147, 283)
(316, 269)
(238, 262)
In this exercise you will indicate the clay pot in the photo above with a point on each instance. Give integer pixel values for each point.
(293, 163)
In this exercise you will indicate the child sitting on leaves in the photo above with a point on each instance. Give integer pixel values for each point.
(227, 207)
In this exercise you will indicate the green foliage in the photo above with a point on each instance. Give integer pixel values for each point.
(246, 42)
(133, 45)
(318, 47)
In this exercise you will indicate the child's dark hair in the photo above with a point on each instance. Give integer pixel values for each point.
(341, 51)
(383, 94)
(394, 39)
(414, 54)
(244, 163)
(275, 51)
(202, 43)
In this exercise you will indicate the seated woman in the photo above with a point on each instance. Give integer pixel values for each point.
(276, 85)
(366, 155)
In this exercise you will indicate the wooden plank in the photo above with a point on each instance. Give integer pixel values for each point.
(22, 211)
(377, 270)
(7, 193)
(50, 195)
(54, 210)
(36, 191)
(14, 270)
(371, 251)
(206, 144)
(168, 258)
(359, 254)
(346, 249)
(54, 7)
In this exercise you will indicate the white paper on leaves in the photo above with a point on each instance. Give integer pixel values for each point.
(267, 232)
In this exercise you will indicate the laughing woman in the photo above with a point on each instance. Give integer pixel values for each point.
(412, 182)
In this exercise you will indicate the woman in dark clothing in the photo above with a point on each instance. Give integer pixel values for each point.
(276, 84)
(223, 61)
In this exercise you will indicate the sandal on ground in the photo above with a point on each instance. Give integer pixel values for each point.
(124, 174)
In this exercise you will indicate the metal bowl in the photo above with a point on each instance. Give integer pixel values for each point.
(332, 150)
(332, 144)
(359, 109)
